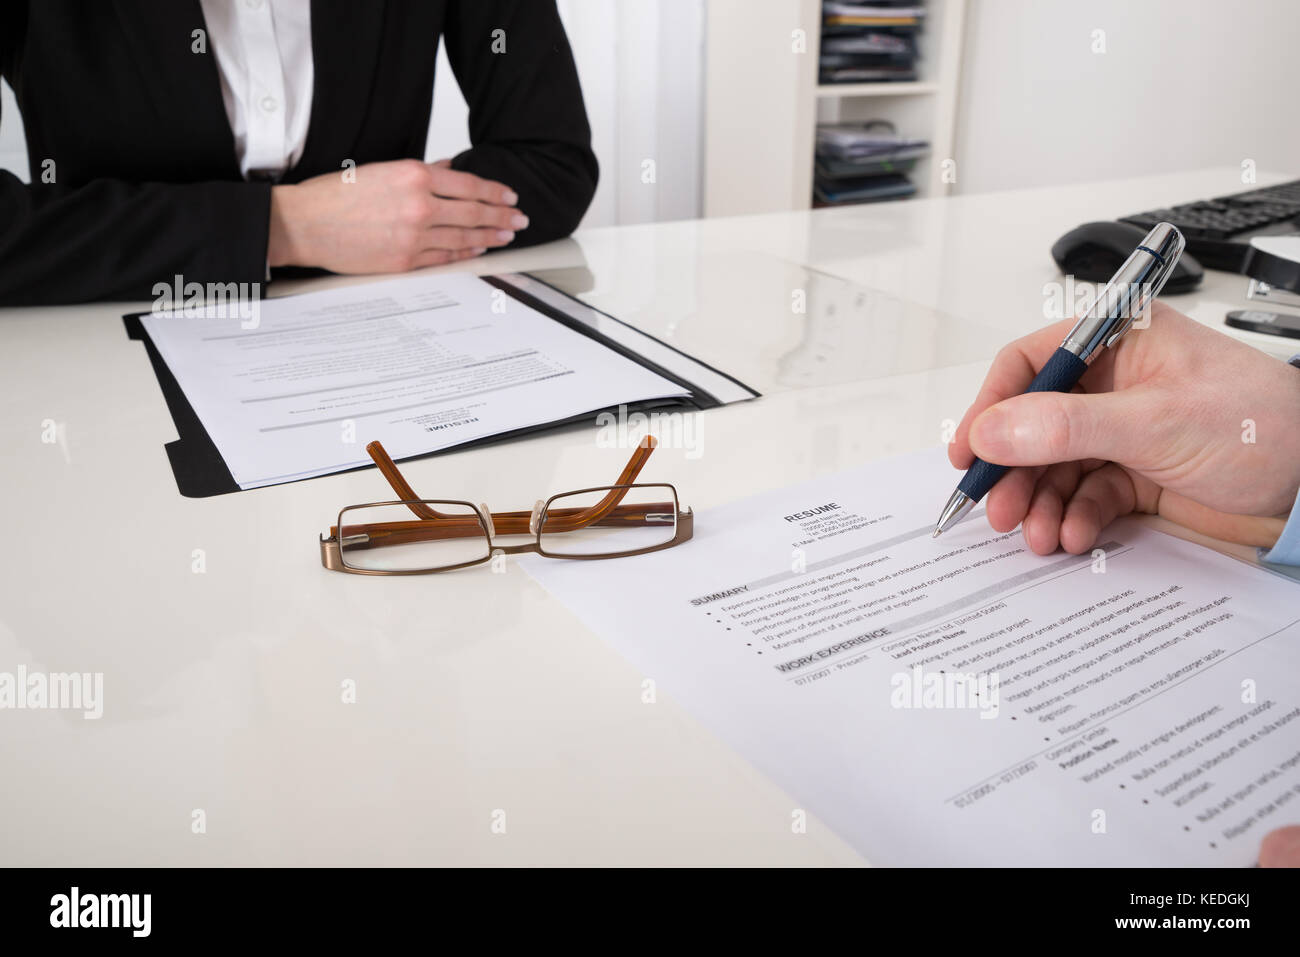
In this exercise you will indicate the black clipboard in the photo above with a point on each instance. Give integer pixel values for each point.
(201, 472)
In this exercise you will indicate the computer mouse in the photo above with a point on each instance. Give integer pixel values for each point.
(1094, 251)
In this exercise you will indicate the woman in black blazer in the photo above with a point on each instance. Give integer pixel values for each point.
(135, 176)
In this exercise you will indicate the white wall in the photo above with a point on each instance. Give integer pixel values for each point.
(1183, 84)
(761, 71)
(641, 65)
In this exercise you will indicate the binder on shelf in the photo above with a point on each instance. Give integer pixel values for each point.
(869, 42)
(863, 162)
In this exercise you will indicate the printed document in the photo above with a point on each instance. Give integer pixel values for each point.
(962, 700)
(420, 364)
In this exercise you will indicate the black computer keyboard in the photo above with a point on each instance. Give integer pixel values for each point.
(1219, 230)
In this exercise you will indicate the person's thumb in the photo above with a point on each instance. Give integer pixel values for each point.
(1043, 428)
(1281, 848)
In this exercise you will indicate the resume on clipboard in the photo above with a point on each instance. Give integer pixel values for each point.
(420, 363)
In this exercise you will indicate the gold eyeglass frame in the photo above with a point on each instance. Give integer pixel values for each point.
(430, 524)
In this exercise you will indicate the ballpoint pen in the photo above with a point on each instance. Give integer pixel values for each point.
(1127, 295)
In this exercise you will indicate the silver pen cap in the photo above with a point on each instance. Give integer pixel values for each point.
(1128, 294)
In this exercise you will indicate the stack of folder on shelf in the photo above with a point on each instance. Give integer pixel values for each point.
(869, 41)
(863, 162)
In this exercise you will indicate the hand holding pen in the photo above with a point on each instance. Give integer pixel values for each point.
(1163, 424)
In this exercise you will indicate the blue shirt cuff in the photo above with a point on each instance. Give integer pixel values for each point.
(1286, 551)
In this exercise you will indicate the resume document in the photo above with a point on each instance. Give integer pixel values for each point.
(962, 700)
(420, 364)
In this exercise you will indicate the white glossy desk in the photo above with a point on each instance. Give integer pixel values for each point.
(475, 692)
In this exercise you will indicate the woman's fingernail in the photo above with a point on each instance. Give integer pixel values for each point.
(509, 197)
(519, 221)
(478, 250)
(505, 235)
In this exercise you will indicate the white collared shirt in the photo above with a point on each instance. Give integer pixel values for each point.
(264, 57)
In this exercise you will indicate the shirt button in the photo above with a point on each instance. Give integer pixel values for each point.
(269, 104)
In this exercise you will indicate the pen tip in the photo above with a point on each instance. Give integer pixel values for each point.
(959, 504)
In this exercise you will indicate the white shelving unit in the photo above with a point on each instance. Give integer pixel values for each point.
(763, 102)
(842, 90)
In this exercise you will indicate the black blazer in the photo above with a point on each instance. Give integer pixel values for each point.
(147, 184)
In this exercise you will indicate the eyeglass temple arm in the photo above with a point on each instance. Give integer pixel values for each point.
(567, 520)
(505, 523)
(403, 488)
(640, 455)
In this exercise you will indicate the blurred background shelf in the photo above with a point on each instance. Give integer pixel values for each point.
(763, 102)
(885, 88)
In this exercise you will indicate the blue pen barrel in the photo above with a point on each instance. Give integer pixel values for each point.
(1060, 374)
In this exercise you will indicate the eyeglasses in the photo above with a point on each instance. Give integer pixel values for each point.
(607, 521)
